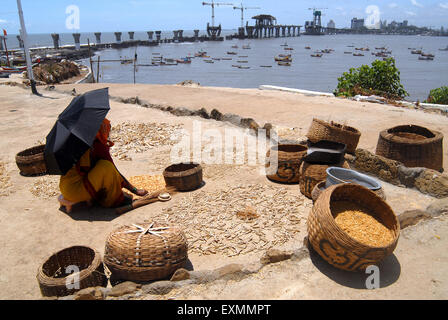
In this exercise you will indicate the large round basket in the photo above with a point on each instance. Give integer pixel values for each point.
(145, 252)
(414, 146)
(31, 161)
(71, 270)
(184, 176)
(332, 131)
(333, 244)
(311, 174)
(320, 187)
(289, 158)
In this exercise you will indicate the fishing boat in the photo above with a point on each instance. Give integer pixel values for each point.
(308, 48)
(231, 53)
(428, 55)
(246, 47)
(358, 55)
(284, 63)
(209, 61)
(362, 49)
(235, 66)
(216, 59)
(288, 48)
(284, 45)
(285, 55)
(348, 52)
(235, 47)
(446, 49)
(381, 48)
(317, 55)
(243, 56)
(243, 67)
(284, 59)
(128, 61)
(184, 60)
(416, 51)
(265, 66)
(242, 61)
(426, 58)
(200, 54)
(14, 69)
(226, 58)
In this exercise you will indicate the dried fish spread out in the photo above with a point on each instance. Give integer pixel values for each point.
(134, 137)
(237, 219)
(360, 224)
(46, 187)
(5, 181)
(147, 182)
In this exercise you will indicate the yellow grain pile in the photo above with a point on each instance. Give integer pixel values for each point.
(148, 182)
(360, 224)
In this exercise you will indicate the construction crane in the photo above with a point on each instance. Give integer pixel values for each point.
(213, 4)
(317, 15)
(242, 8)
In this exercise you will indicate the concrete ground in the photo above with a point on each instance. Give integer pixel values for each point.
(34, 228)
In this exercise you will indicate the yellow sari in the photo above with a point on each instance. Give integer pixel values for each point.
(102, 183)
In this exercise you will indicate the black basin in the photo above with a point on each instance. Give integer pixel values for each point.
(325, 152)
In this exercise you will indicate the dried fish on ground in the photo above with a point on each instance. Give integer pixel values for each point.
(139, 137)
(46, 187)
(5, 181)
(148, 182)
(212, 225)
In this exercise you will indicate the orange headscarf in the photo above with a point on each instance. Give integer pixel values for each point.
(103, 133)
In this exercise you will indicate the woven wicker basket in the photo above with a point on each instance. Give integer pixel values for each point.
(312, 174)
(147, 256)
(414, 146)
(184, 176)
(290, 157)
(320, 187)
(333, 244)
(332, 131)
(51, 274)
(31, 161)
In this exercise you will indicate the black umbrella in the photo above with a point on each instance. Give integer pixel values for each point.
(75, 130)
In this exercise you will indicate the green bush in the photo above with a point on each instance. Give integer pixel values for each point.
(438, 96)
(381, 79)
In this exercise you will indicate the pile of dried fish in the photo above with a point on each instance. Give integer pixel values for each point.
(46, 187)
(5, 181)
(140, 137)
(213, 224)
(147, 182)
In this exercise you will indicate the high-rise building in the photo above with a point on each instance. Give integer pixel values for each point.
(357, 23)
(331, 25)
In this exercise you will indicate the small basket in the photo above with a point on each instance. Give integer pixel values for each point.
(51, 274)
(333, 244)
(332, 131)
(31, 162)
(289, 159)
(311, 174)
(135, 255)
(184, 176)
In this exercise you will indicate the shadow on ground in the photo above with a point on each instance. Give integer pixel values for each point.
(390, 270)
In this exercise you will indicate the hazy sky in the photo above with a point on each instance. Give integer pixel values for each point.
(46, 16)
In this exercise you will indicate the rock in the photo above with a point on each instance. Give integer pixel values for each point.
(385, 169)
(407, 175)
(180, 274)
(216, 115)
(181, 112)
(433, 183)
(201, 113)
(124, 288)
(412, 217)
(274, 255)
(232, 118)
(229, 269)
(438, 207)
(159, 287)
(249, 123)
(203, 276)
(89, 294)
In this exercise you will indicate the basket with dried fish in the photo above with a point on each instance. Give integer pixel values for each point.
(145, 251)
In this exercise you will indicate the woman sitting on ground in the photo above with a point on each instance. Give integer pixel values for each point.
(95, 176)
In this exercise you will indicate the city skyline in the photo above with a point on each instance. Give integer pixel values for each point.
(139, 15)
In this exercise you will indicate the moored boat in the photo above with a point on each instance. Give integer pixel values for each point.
(284, 63)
